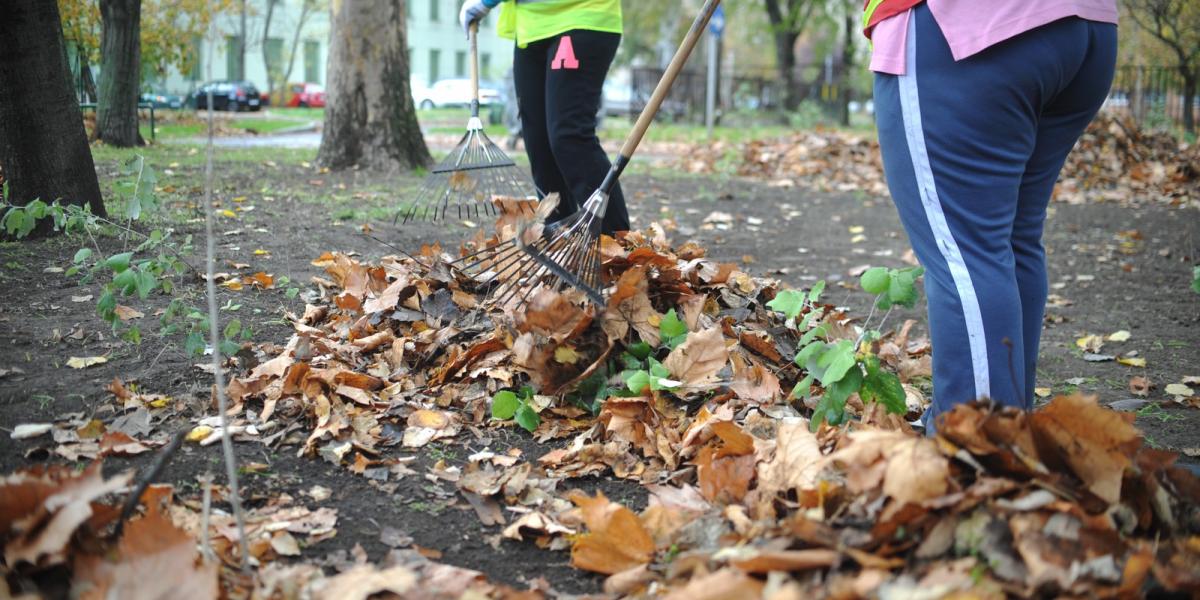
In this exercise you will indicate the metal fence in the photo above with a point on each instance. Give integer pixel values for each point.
(1153, 96)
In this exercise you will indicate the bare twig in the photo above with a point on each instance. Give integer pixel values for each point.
(148, 477)
(205, 511)
(214, 330)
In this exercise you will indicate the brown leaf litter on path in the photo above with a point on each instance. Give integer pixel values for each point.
(1113, 161)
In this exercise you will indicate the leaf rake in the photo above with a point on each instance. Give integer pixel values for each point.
(567, 252)
(466, 183)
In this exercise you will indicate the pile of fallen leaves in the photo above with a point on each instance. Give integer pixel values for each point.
(746, 499)
(1113, 161)
(61, 538)
(57, 525)
(823, 160)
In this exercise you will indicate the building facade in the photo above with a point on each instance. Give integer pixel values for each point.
(298, 44)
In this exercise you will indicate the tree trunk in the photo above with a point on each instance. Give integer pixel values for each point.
(1189, 98)
(120, 72)
(85, 73)
(271, 69)
(370, 122)
(241, 58)
(851, 29)
(43, 148)
(785, 61)
(306, 10)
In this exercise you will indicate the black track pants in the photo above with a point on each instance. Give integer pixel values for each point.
(559, 83)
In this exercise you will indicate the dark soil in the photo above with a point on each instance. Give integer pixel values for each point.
(796, 235)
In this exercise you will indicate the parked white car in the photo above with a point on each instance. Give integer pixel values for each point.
(454, 92)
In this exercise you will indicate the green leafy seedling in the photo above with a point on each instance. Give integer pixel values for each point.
(672, 330)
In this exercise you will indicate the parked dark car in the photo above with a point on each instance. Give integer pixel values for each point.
(228, 95)
(161, 99)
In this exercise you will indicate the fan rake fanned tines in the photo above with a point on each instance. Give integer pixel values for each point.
(467, 182)
(556, 255)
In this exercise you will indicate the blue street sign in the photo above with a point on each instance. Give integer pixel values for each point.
(716, 24)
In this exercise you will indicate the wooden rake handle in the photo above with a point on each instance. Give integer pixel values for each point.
(664, 86)
(473, 42)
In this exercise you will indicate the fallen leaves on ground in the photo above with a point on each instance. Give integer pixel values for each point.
(1113, 161)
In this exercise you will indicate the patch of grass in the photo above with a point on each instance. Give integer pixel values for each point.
(1155, 411)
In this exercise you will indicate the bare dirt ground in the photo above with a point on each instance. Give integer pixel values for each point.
(1105, 279)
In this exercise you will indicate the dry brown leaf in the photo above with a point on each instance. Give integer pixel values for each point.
(616, 539)
(699, 357)
(154, 560)
(1092, 441)
(796, 461)
(726, 584)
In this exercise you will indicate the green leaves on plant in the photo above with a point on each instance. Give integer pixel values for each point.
(875, 280)
(882, 387)
(1196, 279)
(672, 330)
(504, 405)
(788, 302)
(527, 418)
(637, 381)
(508, 405)
(81, 255)
(894, 287)
(118, 262)
(194, 344)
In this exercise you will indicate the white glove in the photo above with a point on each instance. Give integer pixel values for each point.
(472, 10)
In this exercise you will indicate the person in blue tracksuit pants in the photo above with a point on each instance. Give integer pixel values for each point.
(971, 151)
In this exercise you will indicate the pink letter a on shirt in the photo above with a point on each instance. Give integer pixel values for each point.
(565, 57)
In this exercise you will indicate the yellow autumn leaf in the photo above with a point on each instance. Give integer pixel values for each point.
(225, 212)
(240, 199)
(83, 362)
(199, 433)
(1119, 336)
(233, 284)
(160, 402)
(1090, 343)
(1042, 392)
(566, 355)
(1132, 361)
(261, 252)
(856, 229)
(1179, 389)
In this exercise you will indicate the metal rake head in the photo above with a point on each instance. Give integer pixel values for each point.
(465, 183)
(566, 252)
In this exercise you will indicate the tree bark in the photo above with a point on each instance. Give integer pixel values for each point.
(1189, 95)
(120, 72)
(241, 58)
(271, 69)
(44, 152)
(787, 23)
(370, 122)
(851, 29)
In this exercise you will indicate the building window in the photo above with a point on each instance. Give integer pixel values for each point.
(435, 56)
(460, 64)
(433, 10)
(274, 58)
(233, 52)
(312, 61)
(485, 65)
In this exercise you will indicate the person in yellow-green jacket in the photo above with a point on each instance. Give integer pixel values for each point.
(563, 51)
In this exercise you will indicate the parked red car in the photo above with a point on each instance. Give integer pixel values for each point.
(306, 94)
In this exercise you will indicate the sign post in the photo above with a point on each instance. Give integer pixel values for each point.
(716, 25)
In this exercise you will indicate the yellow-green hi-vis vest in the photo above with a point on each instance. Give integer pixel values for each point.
(528, 21)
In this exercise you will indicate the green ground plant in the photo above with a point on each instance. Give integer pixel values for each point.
(154, 265)
(844, 367)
